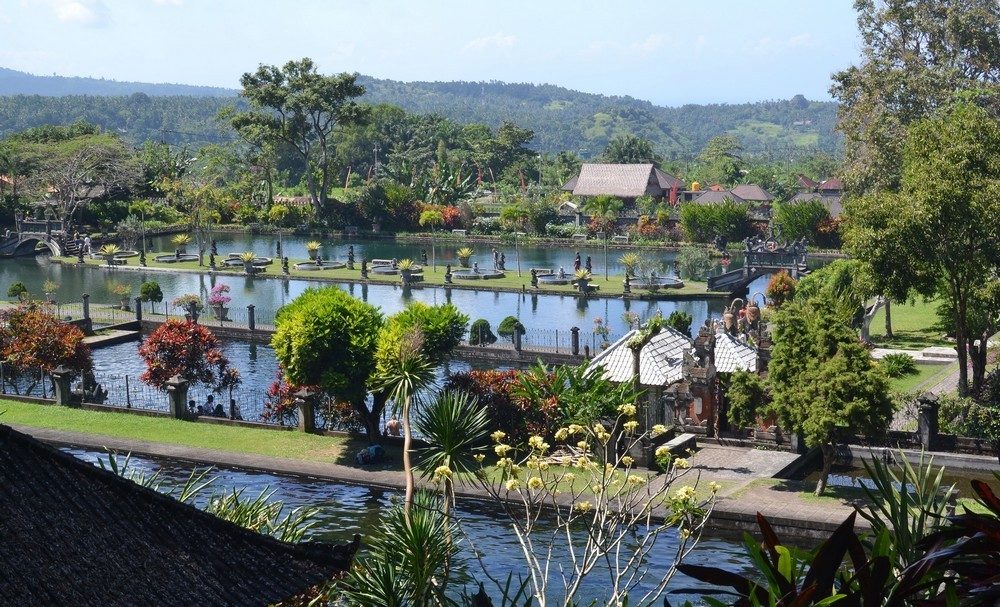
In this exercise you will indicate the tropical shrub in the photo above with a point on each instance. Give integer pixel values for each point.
(703, 222)
(190, 350)
(506, 412)
(481, 334)
(32, 339)
(747, 395)
(681, 321)
(508, 326)
(150, 291)
(561, 230)
(898, 364)
(780, 289)
(17, 290)
(801, 220)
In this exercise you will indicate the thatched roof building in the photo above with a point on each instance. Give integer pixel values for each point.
(626, 181)
(73, 534)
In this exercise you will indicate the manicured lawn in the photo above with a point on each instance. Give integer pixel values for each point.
(511, 281)
(291, 444)
(926, 376)
(914, 326)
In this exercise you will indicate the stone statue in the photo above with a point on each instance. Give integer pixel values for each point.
(279, 248)
(534, 278)
(350, 257)
(589, 265)
(215, 248)
(627, 283)
(423, 257)
(503, 261)
(284, 266)
(364, 268)
(447, 273)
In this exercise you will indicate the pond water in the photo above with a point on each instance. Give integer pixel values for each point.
(345, 510)
(537, 312)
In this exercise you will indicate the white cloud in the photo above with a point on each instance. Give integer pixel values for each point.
(772, 46)
(92, 13)
(651, 44)
(497, 40)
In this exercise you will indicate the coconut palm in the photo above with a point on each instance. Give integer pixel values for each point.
(605, 209)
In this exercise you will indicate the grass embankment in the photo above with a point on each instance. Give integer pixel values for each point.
(914, 326)
(926, 376)
(612, 286)
(275, 443)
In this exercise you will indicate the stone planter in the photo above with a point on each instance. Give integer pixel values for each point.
(464, 262)
(125, 304)
(220, 312)
(406, 275)
(313, 255)
(248, 268)
(583, 284)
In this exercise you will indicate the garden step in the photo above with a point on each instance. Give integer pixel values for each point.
(940, 352)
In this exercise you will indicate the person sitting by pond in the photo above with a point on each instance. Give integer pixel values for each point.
(392, 427)
(394, 263)
(562, 272)
(234, 410)
(475, 268)
(191, 406)
(210, 405)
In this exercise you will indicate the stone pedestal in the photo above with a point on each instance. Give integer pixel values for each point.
(177, 390)
(61, 377)
(927, 421)
(305, 400)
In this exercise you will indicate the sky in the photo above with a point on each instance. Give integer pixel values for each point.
(669, 52)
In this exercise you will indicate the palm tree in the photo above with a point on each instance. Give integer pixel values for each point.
(408, 372)
(432, 219)
(606, 208)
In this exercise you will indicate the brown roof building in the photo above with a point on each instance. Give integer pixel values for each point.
(74, 534)
(628, 181)
(751, 192)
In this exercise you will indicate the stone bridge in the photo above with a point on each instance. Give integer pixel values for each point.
(762, 257)
(30, 234)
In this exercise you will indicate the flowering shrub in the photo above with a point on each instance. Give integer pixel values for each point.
(592, 483)
(31, 338)
(218, 295)
(514, 416)
(183, 348)
(780, 289)
(184, 301)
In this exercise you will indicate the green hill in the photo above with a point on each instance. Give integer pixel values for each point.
(562, 119)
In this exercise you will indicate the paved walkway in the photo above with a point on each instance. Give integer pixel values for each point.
(781, 502)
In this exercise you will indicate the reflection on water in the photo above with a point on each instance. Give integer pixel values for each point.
(345, 510)
(535, 311)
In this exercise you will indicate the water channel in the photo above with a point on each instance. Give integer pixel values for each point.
(345, 510)
(536, 311)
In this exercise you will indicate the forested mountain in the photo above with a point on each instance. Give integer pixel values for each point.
(562, 119)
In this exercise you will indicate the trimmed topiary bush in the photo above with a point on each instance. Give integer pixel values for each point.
(17, 290)
(507, 327)
(480, 333)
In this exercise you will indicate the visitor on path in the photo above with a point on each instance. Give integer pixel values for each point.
(392, 427)
(86, 245)
(496, 260)
(503, 261)
(576, 262)
(589, 265)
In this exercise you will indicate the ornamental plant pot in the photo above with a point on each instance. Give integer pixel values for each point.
(464, 261)
(313, 255)
(220, 312)
(583, 284)
(248, 267)
(125, 304)
(406, 275)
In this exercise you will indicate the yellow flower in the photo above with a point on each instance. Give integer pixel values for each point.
(636, 480)
(513, 484)
(515, 469)
(714, 486)
(627, 461)
(565, 460)
(603, 437)
(597, 489)
(442, 472)
(498, 436)
(569, 477)
(479, 457)
(682, 463)
(630, 426)
(581, 462)
(627, 410)
(562, 434)
(582, 444)
(662, 451)
(543, 466)
(535, 483)
(538, 443)
(501, 449)
(685, 493)
(575, 429)
(584, 506)
(599, 428)
(685, 533)
(657, 430)
(503, 462)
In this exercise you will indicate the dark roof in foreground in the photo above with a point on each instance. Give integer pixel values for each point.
(73, 534)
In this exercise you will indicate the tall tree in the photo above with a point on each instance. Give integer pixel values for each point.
(822, 381)
(915, 55)
(629, 149)
(298, 107)
(721, 160)
(940, 236)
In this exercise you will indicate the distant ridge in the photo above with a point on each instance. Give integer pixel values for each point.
(562, 119)
(13, 82)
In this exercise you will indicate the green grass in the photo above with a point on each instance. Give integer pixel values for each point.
(927, 375)
(612, 286)
(914, 326)
(275, 443)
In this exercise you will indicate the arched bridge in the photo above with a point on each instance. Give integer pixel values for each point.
(762, 257)
(29, 235)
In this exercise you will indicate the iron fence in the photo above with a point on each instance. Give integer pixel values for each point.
(557, 341)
